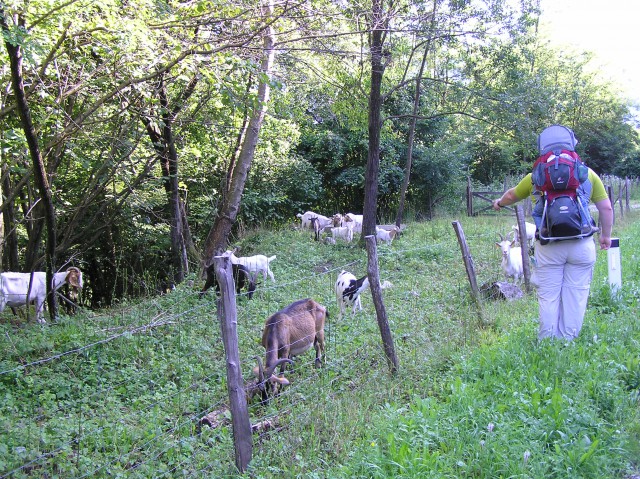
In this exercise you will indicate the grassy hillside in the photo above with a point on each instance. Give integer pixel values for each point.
(121, 392)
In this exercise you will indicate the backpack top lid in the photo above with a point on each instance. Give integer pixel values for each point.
(556, 137)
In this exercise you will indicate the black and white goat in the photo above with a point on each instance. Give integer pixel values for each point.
(348, 289)
(288, 333)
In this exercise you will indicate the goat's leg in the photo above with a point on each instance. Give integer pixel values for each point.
(39, 311)
(318, 344)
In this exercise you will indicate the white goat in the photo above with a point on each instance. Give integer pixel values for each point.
(386, 235)
(356, 220)
(531, 233)
(14, 288)
(343, 232)
(511, 259)
(255, 264)
(348, 289)
(305, 220)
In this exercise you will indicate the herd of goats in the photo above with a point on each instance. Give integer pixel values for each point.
(290, 331)
(295, 328)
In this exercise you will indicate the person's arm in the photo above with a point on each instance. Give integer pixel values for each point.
(605, 213)
(508, 198)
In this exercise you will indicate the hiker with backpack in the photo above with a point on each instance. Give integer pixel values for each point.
(561, 187)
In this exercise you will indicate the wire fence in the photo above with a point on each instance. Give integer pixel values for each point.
(140, 390)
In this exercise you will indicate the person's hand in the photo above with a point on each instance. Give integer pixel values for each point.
(496, 205)
(605, 242)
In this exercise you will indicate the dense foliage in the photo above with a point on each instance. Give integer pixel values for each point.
(140, 109)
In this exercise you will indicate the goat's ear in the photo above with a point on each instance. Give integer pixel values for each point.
(497, 244)
(279, 379)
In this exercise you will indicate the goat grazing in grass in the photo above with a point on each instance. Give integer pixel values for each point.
(14, 288)
(511, 259)
(241, 278)
(288, 333)
(348, 289)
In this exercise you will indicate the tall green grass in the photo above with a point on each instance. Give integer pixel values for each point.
(523, 408)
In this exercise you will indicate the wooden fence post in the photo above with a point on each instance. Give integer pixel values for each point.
(228, 317)
(613, 203)
(620, 197)
(469, 198)
(524, 247)
(376, 294)
(627, 194)
(466, 257)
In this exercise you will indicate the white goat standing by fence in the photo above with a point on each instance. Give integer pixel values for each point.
(511, 259)
(255, 264)
(531, 233)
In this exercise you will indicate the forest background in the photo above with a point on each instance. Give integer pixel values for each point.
(138, 138)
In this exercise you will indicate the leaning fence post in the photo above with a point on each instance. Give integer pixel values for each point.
(376, 294)
(468, 264)
(466, 257)
(524, 248)
(228, 317)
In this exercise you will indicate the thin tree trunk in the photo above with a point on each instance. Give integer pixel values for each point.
(218, 237)
(163, 141)
(15, 57)
(10, 237)
(412, 127)
(239, 141)
(375, 124)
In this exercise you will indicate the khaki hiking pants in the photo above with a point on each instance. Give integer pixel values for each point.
(562, 277)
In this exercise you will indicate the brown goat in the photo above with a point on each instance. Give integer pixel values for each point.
(288, 333)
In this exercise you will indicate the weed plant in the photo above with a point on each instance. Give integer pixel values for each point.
(120, 392)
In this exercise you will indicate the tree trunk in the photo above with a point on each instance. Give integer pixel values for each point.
(218, 237)
(412, 127)
(15, 58)
(10, 259)
(375, 124)
(163, 141)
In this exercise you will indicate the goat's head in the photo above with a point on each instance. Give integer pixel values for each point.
(337, 219)
(505, 245)
(267, 383)
(74, 280)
